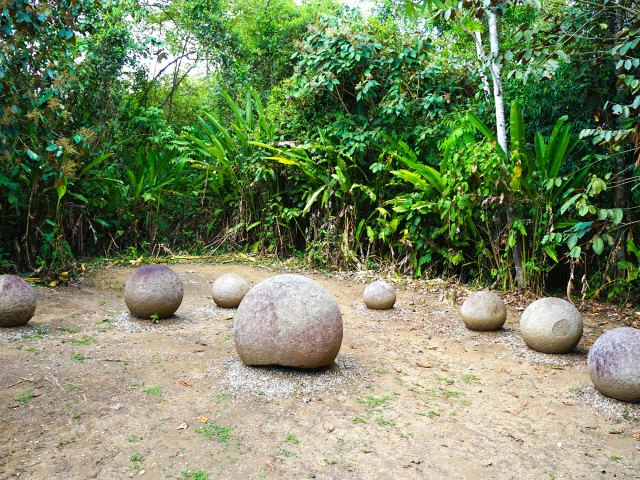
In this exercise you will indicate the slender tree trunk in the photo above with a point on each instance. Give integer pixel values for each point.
(501, 133)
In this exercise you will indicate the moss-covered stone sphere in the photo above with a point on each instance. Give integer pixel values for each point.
(17, 301)
(153, 290)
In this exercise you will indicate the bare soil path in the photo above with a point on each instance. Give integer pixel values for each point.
(88, 392)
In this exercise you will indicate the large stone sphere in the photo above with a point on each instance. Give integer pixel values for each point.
(17, 301)
(288, 320)
(379, 295)
(483, 311)
(614, 364)
(153, 290)
(228, 290)
(551, 325)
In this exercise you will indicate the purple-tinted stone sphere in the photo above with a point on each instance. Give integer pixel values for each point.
(153, 290)
(17, 301)
(614, 364)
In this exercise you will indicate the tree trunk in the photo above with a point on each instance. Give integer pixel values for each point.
(501, 133)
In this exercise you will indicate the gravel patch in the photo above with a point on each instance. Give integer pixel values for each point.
(588, 395)
(24, 332)
(126, 322)
(445, 324)
(271, 383)
(398, 312)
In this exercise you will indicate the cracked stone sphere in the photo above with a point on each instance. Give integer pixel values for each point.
(228, 290)
(17, 301)
(379, 295)
(153, 290)
(614, 364)
(483, 311)
(551, 325)
(288, 320)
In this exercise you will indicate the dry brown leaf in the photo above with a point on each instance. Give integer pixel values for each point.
(422, 365)
(202, 419)
(185, 384)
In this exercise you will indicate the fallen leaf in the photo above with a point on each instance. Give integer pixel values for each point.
(200, 350)
(185, 384)
(615, 432)
(513, 394)
(568, 403)
(182, 426)
(202, 419)
(422, 365)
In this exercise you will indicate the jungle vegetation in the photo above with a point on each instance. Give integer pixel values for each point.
(491, 141)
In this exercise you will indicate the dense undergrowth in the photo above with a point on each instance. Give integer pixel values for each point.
(312, 131)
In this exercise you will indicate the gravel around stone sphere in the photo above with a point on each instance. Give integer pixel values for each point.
(483, 311)
(551, 325)
(153, 290)
(273, 382)
(379, 295)
(229, 289)
(616, 409)
(17, 301)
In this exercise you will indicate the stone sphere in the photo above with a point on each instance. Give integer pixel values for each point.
(379, 295)
(228, 290)
(153, 290)
(483, 311)
(614, 364)
(17, 301)
(551, 325)
(288, 320)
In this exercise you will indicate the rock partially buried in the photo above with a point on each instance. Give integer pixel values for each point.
(288, 320)
(153, 290)
(614, 364)
(379, 295)
(17, 301)
(483, 311)
(228, 290)
(551, 325)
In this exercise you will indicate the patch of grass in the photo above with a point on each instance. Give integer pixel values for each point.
(30, 349)
(79, 357)
(69, 329)
(133, 438)
(104, 321)
(627, 415)
(64, 443)
(292, 439)
(39, 333)
(330, 461)
(136, 458)
(615, 458)
(24, 397)
(219, 397)
(451, 394)
(383, 422)
(215, 432)
(432, 414)
(375, 401)
(358, 420)
(287, 453)
(470, 378)
(199, 475)
(448, 381)
(155, 319)
(86, 340)
(153, 390)
(379, 371)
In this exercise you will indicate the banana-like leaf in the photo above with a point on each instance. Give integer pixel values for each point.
(427, 172)
(479, 125)
(312, 199)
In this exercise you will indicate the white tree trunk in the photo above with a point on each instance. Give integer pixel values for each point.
(496, 75)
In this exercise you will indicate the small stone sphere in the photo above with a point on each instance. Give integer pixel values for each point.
(288, 320)
(614, 364)
(228, 290)
(17, 301)
(379, 295)
(483, 311)
(551, 325)
(153, 290)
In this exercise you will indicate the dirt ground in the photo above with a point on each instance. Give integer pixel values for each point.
(86, 391)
